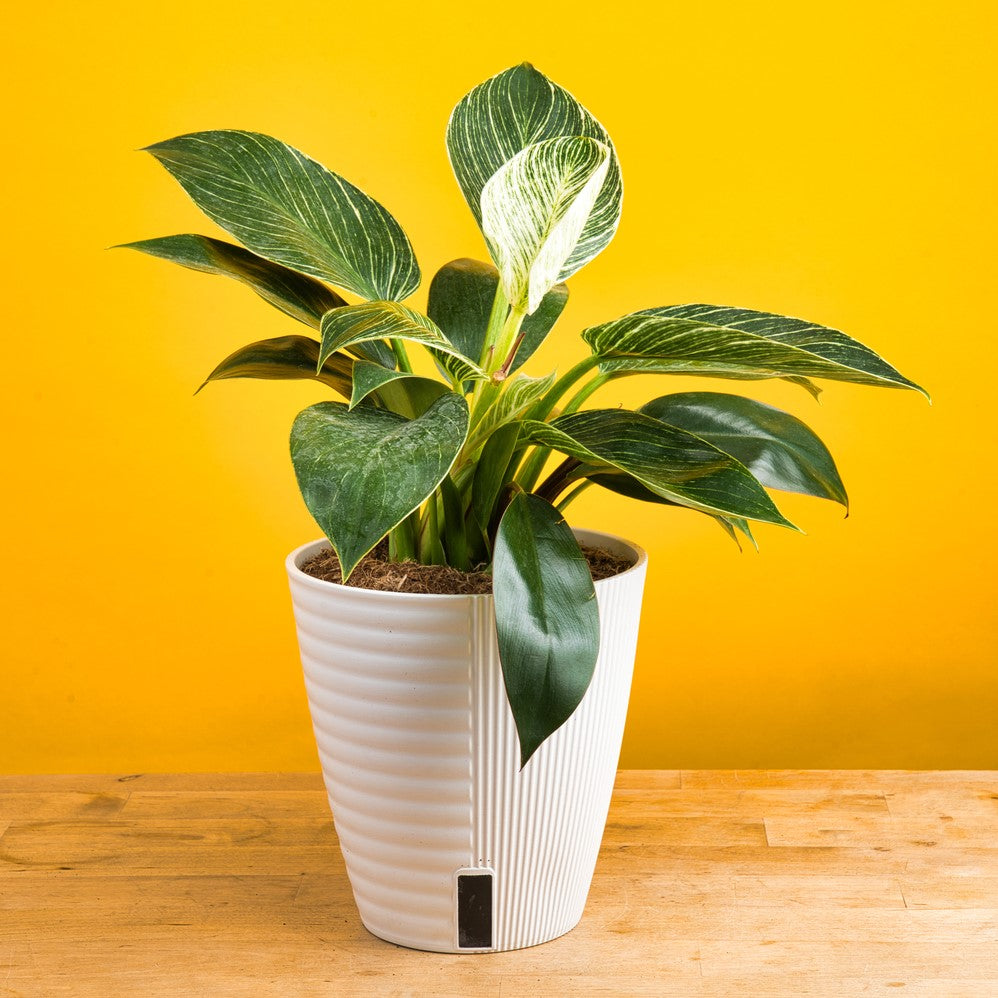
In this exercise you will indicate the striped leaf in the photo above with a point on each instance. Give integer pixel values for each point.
(297, 295)
(290, 209)
(735, 343)
(534, 210)
(363, 471)
(516, 109)
(625, 485)
(285, 358)
(518, 395)
(547, 619)
(412, 394)
(776, 447)
(670, 462)
(386, 320)
(460, 302)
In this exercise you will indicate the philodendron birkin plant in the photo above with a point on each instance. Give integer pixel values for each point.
(456, 469)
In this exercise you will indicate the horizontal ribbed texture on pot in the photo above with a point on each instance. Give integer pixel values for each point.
(421, 761)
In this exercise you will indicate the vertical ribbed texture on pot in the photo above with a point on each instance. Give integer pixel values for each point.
(421, 760)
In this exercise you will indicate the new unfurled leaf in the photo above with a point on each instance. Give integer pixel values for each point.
(285, 358)
(373, 322)
(295, 294)
(515, 109)
(672, 463)
(547, 619)
(534, 211)
(362, 471)
(735, 343)
(290, 209)
(776, 447)
(461, 296)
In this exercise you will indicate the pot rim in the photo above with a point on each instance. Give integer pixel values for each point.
(594, 538)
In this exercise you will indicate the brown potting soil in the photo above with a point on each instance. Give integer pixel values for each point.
(375, 571)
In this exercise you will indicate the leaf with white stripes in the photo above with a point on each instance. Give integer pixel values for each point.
(290, 209)
(375, 321)
(363, 471)
(534, 209)
(736, 343)
(302, 297)
(516, 109)
(670, 462)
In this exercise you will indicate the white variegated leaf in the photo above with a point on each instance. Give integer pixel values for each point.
(290, 209)
(376, 321)
(516, 109)
(534, 209)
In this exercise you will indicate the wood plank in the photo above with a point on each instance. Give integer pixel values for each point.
(855, 780)
(763, 884)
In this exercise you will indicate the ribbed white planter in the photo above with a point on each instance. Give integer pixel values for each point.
(448, 845)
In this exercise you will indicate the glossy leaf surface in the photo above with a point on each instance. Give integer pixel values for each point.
(776, 447)
(735, 343)
(460, 302)
(515, 109)
(534, 210)
(670, 462)
(362, 471)
(285, 358)
(297, 295)
(290, 209)
(547, 619)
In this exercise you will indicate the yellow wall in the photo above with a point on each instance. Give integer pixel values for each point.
(831, 160)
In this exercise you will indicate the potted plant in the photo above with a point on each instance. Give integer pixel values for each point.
(469, 740)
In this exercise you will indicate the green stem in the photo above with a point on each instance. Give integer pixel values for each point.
(402, 540)
(581, 487)
(398, 348)
(584, 392)
(543, 408)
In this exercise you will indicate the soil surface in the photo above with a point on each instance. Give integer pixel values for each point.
(375, 571)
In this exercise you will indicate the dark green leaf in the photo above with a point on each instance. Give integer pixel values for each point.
(454, 537)
(670, 462)
(513, 110)
(288, 208)
(547, 619)
(285, 358)
(363, 471)
(368, 378)
(776, 447)
(490, 474)
(297, 295)
(735, 343)
(460, 302)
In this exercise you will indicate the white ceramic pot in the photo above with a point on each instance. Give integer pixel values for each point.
(448, 845)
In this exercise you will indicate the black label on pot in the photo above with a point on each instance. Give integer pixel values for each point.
(474, 910)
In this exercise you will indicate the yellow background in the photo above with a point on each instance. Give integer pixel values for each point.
(830, 160)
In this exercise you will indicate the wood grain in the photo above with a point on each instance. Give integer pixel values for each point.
(709, 884)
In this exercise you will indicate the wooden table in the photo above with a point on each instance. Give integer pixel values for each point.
(709, 883)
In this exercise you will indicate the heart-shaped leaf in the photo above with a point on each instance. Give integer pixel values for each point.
(380, 320)
(460, 302)
(297, 295)
(516, 109)
(288, 208)
(362, 471)
(776, 447)
(285, 358)
(670, 462)
(534, 210)
(735, 343)
(547, 619)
